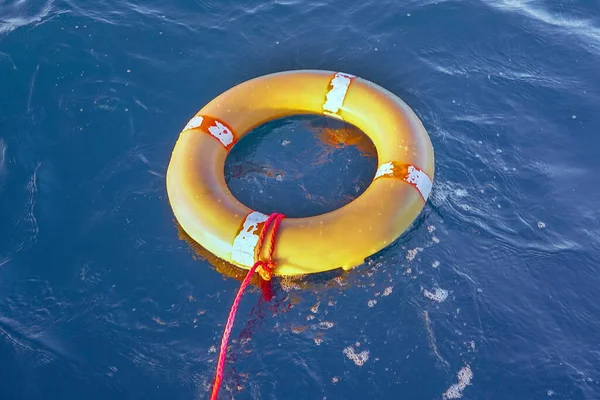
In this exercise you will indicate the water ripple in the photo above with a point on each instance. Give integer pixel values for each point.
(24, 228)
(537, 11)
(17, 15)
(499, 269)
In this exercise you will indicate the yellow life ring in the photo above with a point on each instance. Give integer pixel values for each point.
(209, 213)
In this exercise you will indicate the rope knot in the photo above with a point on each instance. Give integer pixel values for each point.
(265, 270)
(266, 267)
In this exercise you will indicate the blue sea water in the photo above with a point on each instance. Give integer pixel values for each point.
(495, 284)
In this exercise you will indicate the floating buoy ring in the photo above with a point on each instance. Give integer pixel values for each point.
(208, 212)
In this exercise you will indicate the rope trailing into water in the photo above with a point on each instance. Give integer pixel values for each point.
(265, 270)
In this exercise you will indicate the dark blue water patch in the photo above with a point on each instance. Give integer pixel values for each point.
(302, 152)
(101, 296)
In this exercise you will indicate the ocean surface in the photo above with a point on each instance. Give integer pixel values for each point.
(492, 293)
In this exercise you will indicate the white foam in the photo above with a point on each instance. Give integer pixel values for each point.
(438, 294)
(326, 325)
(412, 253)
(465, 375)
(359, 358)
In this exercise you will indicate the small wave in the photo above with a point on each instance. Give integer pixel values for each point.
(520, 70)
(583, 29)
(3, 171)
(15, 19)
(482, 118)
(28, 323)
(12, 333)
(9, 59)
(432, 339)
(25, 229)
(128, 14)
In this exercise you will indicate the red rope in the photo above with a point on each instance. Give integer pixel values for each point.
(267, 270)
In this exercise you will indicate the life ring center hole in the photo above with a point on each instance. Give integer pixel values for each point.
(301, 166)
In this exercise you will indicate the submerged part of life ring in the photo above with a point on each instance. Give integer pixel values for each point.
(209, 213)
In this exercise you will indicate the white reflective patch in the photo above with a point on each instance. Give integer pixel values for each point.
(194, 123)
(384, 169)
(335, 97)
(415, 177)
(222, 133)
(245, 242)
(420, 180)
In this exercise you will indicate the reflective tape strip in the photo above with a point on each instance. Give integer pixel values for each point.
(245, 242)
(408, 173)
(420, 180)
(212, 126)
(194, 123)
(222, 133)
(339, 87)
(385, 169)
